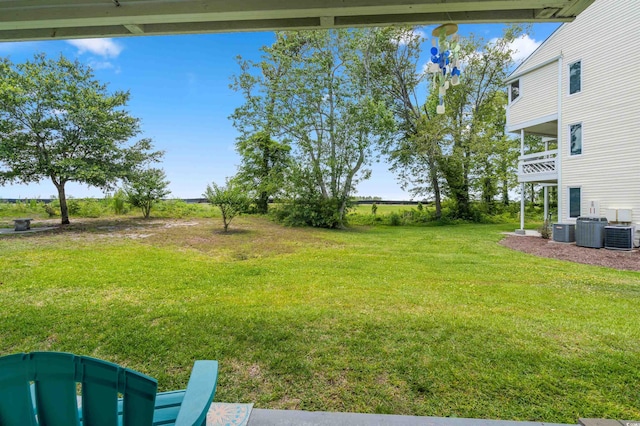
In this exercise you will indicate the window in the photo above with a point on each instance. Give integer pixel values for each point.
(514, 90)
(574, 202)
(575, 77)
(575, 138)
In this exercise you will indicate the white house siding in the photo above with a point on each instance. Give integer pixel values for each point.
(605, 39)
(536, 95)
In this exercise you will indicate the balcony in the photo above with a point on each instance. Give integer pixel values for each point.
(538, 167)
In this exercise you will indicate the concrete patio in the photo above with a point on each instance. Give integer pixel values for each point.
(260, 417)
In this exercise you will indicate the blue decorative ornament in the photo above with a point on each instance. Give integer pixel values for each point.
(446, 57)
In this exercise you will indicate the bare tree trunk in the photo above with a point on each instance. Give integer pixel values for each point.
(435, 184)
(64, 210)
(505, 192)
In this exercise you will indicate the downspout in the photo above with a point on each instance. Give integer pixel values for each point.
(559, 141)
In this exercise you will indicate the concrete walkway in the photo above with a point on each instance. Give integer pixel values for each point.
(261, 417)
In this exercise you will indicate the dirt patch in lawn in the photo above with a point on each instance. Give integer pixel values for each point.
(248, 237)
(617, 259)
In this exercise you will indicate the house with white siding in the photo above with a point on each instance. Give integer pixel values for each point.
(580, 91)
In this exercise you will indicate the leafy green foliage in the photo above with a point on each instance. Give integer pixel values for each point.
(230, 199)
(50, 210)
(58, 123)
(312, 89)
(464, 152)
(146, 187)
(119, 200)
(395, 219)
(263, 167)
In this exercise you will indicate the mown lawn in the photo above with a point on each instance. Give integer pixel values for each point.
(437, 321)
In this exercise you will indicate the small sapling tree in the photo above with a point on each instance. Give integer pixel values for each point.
(145, 188)
(231, 199)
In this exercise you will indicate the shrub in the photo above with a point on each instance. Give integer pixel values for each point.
(315, 211)
(175, 209)
(51, 210)
(90, 207)
(395, 219)
(118, 202)
(545, 230)
(73, 206)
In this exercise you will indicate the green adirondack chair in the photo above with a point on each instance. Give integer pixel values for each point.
(41, 389)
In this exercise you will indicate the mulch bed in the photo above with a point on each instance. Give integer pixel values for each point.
(617, 259)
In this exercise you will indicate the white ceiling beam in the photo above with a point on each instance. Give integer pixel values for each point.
(134, 29)
(34, 19)
(327, 21)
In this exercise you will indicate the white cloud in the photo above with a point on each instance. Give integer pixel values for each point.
(105, 47)
(523, 47)
(104, 65)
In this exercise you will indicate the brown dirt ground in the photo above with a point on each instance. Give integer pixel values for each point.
(617, 259)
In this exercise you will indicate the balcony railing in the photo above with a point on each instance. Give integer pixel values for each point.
(538, 167)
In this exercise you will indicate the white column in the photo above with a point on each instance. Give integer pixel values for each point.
(522, 185)
(546, 202)
(522, 207)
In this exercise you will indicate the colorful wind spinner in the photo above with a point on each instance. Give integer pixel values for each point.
(445, 65)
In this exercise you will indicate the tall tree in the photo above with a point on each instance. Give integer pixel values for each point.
(264, 159)
(324, 105)
(465, 151)
(414, 152)
(475, 120)
(263, 167)
(57, 122)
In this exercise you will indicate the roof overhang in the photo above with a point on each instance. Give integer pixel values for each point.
(542, 126)
(66, 19)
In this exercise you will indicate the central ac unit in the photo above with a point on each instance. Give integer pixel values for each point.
(619, 237)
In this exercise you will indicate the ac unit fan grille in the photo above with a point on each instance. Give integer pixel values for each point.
(619, 237)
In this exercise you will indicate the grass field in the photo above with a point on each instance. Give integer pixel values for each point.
(436, 320)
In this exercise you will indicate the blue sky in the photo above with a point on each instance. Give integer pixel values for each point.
(179, 89)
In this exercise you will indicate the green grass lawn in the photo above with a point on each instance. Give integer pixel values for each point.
(382, 209)
(436, 321)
